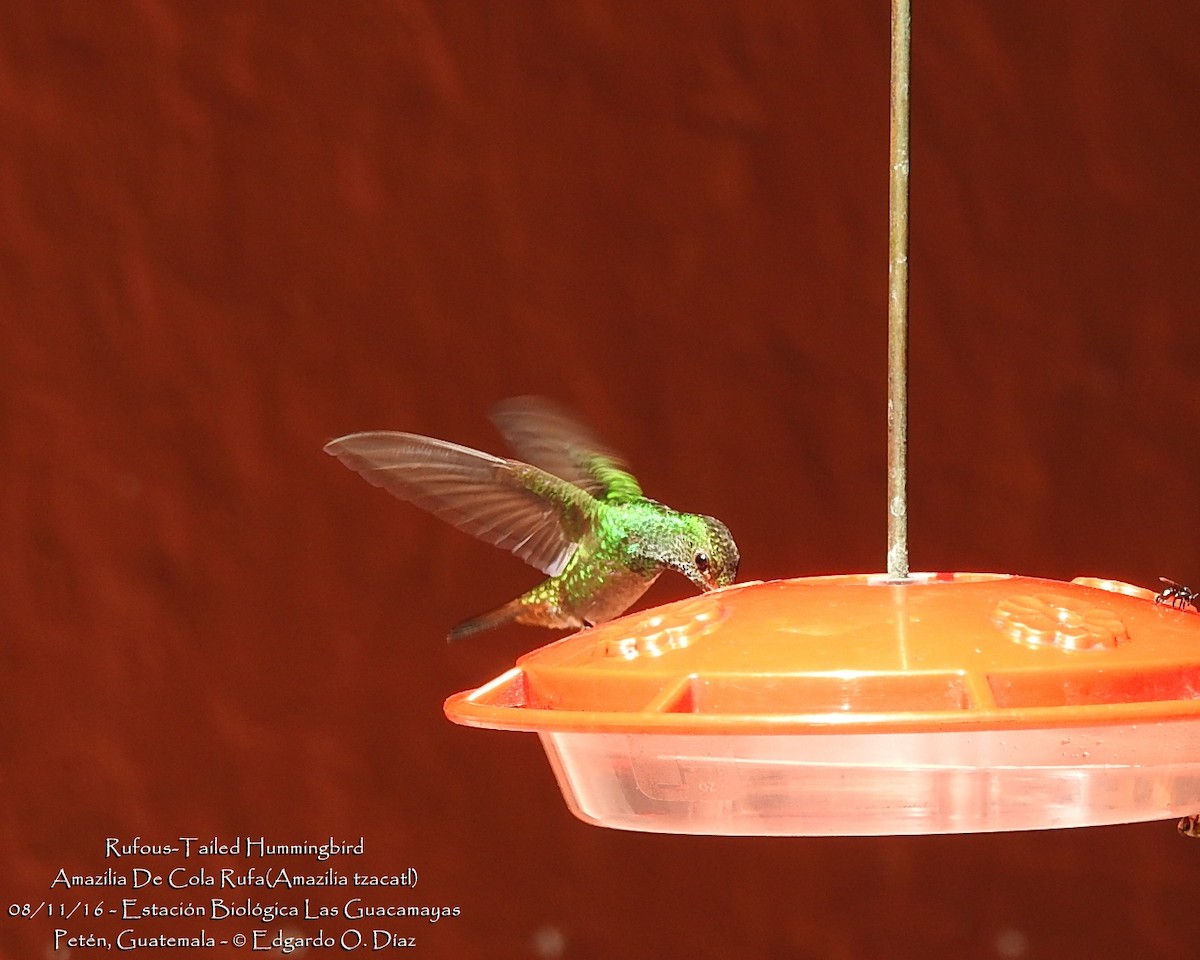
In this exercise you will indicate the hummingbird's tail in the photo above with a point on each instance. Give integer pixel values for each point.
(486, 621)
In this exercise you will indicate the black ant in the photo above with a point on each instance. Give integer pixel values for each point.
(1177, 595)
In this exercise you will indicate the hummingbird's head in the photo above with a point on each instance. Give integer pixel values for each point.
(706, 553)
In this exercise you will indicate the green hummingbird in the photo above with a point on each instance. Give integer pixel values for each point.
(568, 507)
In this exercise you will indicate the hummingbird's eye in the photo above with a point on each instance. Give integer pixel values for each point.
(702, 561)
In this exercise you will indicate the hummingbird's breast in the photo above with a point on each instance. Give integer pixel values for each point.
(618, 591)
(608, 575)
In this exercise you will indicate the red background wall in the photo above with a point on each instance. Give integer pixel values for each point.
(231, 231)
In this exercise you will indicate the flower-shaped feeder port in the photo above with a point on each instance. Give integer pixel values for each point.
(850, 705)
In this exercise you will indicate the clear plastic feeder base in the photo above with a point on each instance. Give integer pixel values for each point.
(888, 783)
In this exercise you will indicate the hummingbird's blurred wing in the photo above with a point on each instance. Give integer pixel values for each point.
(510, 504)
(548, 436)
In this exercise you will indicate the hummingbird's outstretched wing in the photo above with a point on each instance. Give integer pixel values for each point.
(548, 436)
(511, 504)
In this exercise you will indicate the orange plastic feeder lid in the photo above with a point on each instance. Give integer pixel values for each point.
(950, 702)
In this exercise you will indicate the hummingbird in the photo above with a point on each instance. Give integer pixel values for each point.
(569, 507)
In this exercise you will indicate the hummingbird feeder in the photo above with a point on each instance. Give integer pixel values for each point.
(894, 703)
